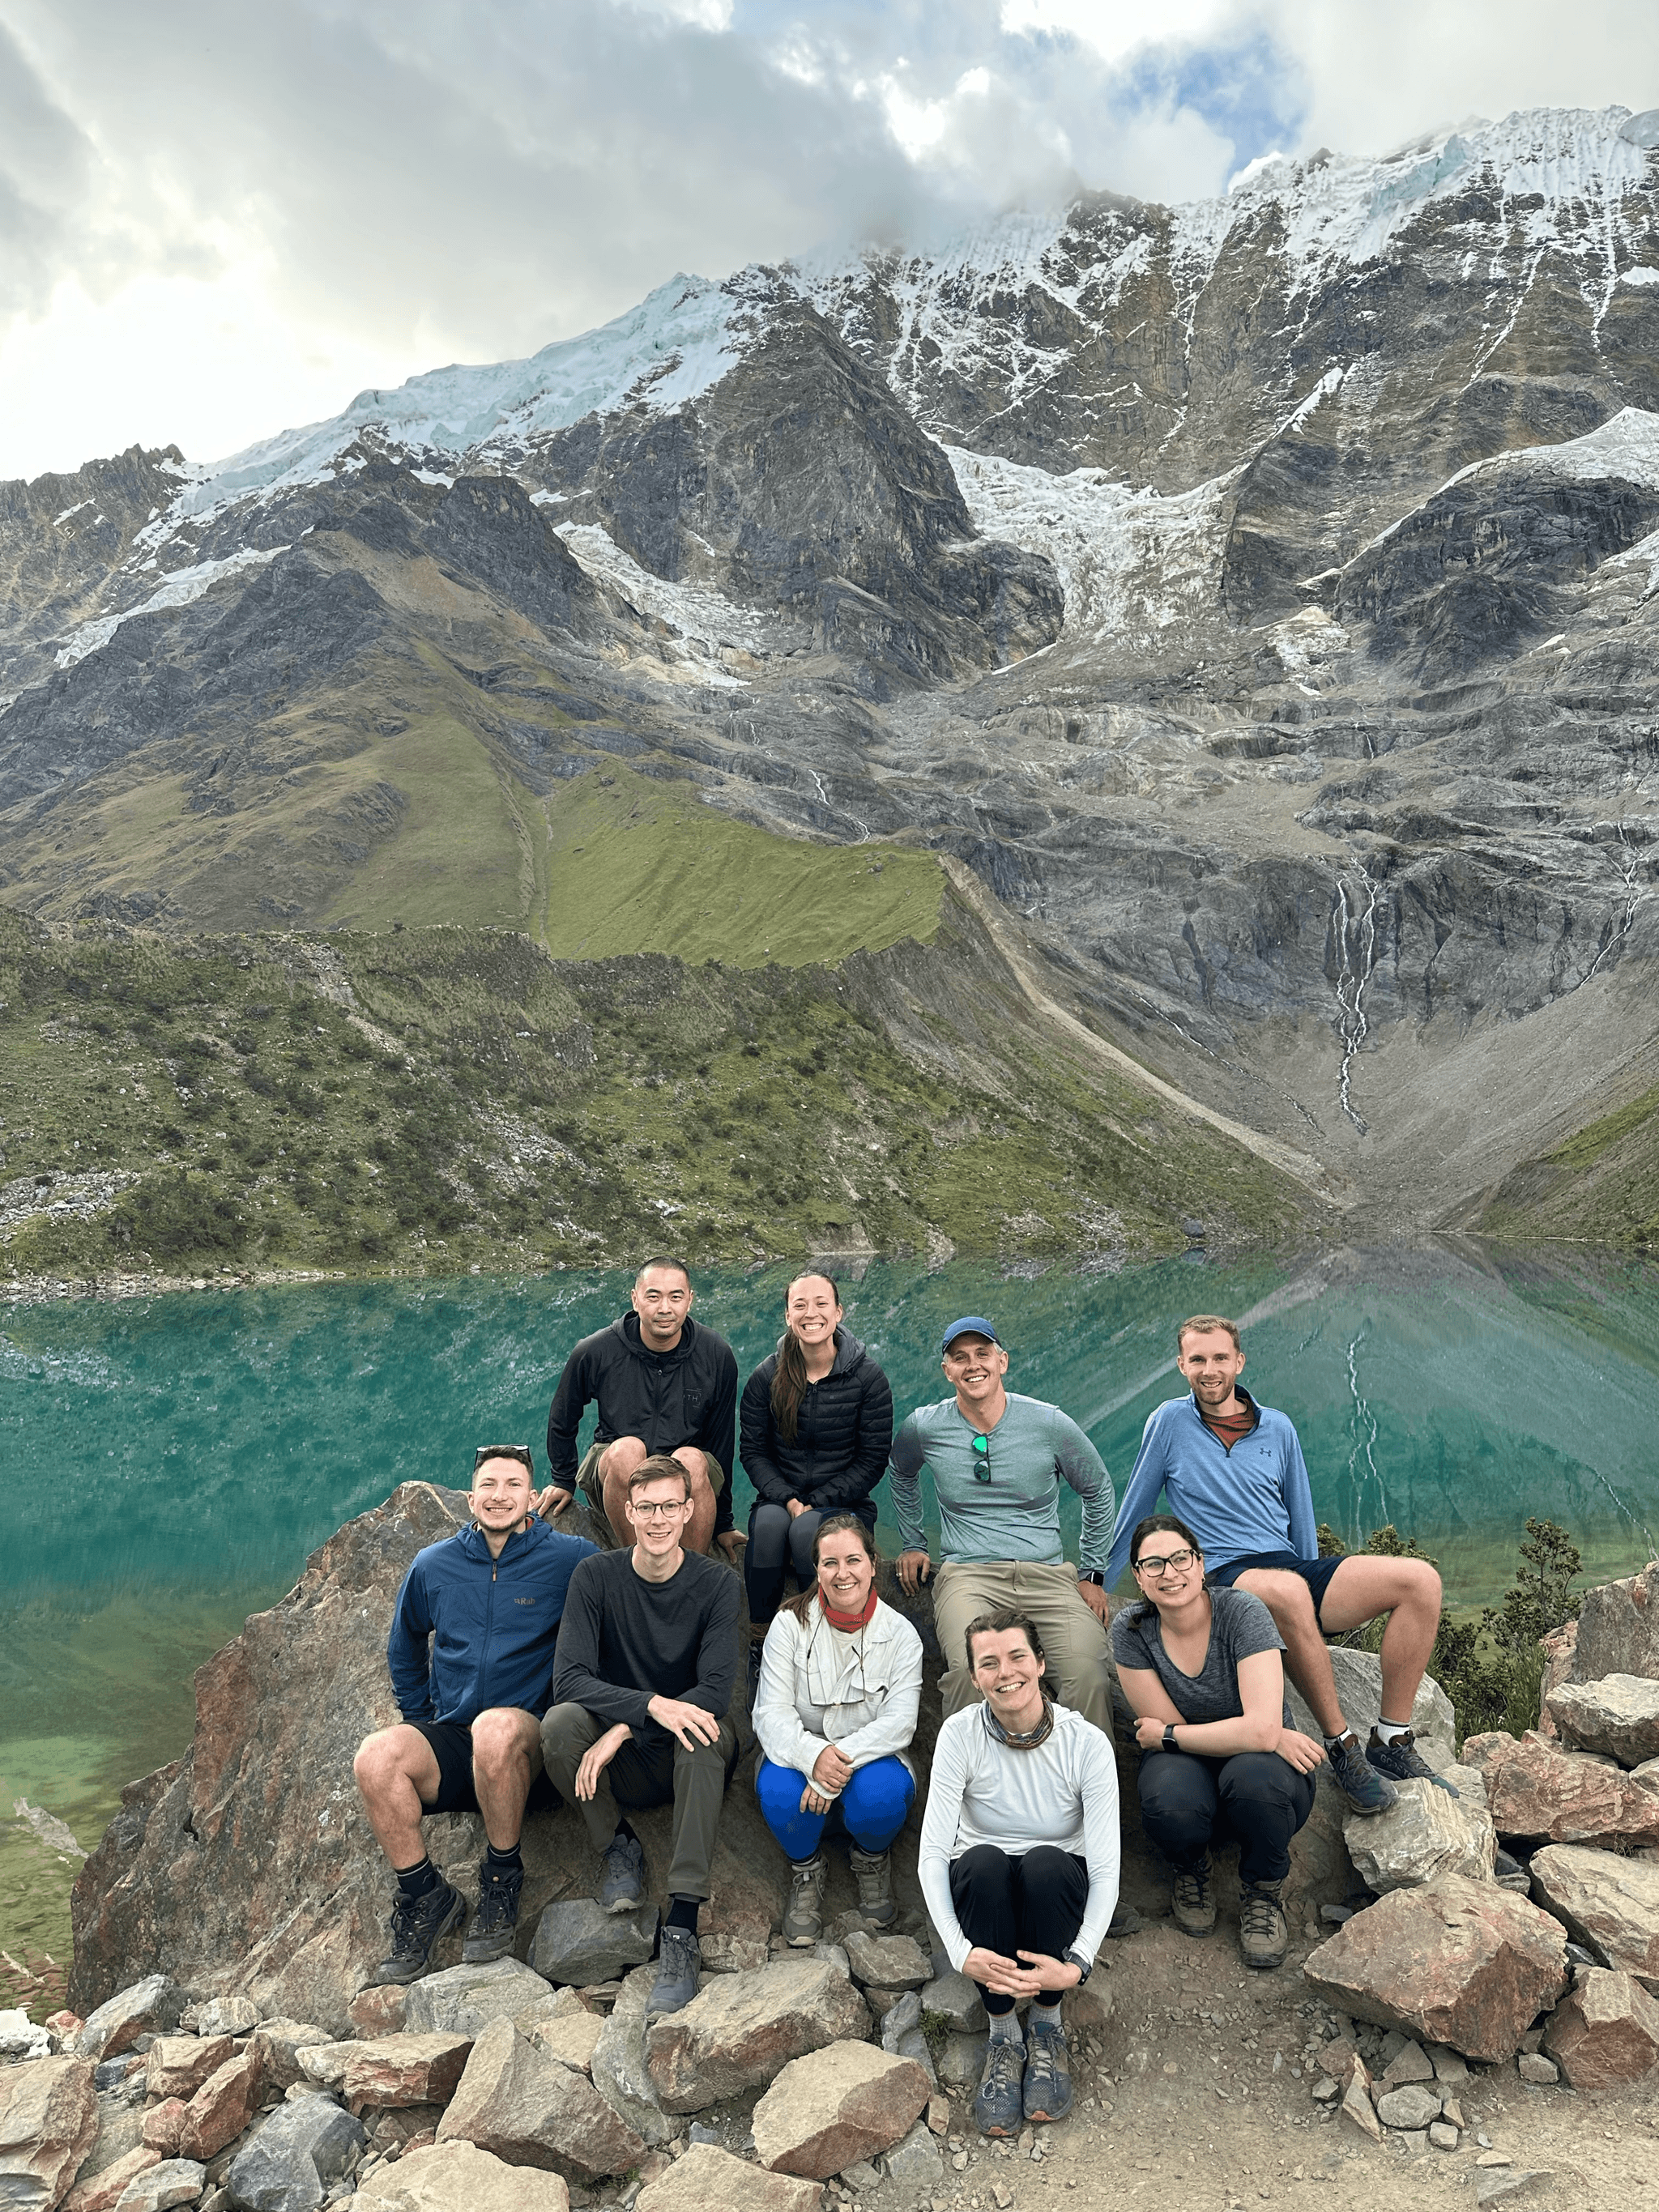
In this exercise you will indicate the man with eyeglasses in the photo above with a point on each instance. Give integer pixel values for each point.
(470, 1653)
(1233, 1471)
(997, 1461)
(645, 1672)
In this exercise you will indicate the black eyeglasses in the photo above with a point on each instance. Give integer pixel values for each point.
(982, 1459)
(1176, 1563)
(520, 1452)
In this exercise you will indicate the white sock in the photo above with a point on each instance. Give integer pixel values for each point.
(1006, 2027)
(1388, 1730)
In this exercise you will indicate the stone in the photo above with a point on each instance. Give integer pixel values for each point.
(1410, 2106)
(174, 2181)
(571, 2041)
(617, 2064)
(461, 2000)
(326, 2062)
(1411, 2063)
(1609, 1904)
(577, 1943)
(1423, 1836)
(221, 2107)
(404, 2069)
(1617, 1716)
(1357, 2104)
(294, 2156)
(1542, 2072)
(707, 2176)
(958, 2001)
(1088, 2008)
(962, 2061)
(1464, 1963)
(833, 1954)
(150, 2007)
(177, 2065)
(891, 1962)
(278, 2043)
(734, 1927)
(740, 2029)
(938, 2116)
(846, 2102)
(1617, 1627)
(1443, 2135)
(101, 2192)
(523, 2107)
(232, 2015)
(21, 2037)
(163, 2126)
(381, 2010)
(1604, 2034)
(1518, 2186)
(1450, 2069)
(458, 2177)
(1537, 1791)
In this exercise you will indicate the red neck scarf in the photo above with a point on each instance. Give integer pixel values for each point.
(849, 1623)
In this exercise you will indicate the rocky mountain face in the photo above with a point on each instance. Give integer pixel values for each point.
(1257, 597)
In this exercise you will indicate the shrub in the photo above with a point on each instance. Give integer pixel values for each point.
(173, 1218)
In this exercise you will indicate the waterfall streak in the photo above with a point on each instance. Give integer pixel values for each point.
(1364, 1432)
(1353, 974)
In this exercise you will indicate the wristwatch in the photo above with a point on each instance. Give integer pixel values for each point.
(1085, 1967)
(1169, 1735)
(1094, 1575)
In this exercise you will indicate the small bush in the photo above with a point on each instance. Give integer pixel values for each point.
(175, 1219)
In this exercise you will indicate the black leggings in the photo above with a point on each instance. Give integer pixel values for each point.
(1033, 1902)
(1255, 1797)
(775, 1545)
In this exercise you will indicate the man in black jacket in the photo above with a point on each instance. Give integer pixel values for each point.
(663, 1385)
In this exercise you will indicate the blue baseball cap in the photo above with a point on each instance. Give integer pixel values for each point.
(975, 1322)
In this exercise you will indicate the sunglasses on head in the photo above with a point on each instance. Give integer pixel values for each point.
(520, 1452)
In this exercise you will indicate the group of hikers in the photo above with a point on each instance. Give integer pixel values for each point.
(528, 1662)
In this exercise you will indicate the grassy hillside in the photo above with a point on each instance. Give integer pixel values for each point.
(446, 1098)
(1601, 1187)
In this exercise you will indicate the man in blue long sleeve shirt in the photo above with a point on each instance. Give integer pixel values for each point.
(470, 1653)
(1235, 1475)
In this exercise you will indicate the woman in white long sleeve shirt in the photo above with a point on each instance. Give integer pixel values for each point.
(1019, 1863)
(840, 1685)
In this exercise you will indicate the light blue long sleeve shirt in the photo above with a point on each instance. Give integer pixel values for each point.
(1034, 1448)
(1255, 1497)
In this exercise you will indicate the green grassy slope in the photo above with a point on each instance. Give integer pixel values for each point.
(1601, 1187)
(445, 1098)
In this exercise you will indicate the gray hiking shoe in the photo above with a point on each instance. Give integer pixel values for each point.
(1263, 1935)
(621, 1874)
(1365, 1790)
(417, 1928)
(678, 1957)
(1192, 1899)
(874, 1873)
(1048, 2090)
(803, 1917)
(998, 2109)
(490, 1936)
(1401, 1761)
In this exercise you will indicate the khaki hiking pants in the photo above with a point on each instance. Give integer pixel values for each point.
(1075, 1639)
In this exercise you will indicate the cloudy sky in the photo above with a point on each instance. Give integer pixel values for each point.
(221, 217)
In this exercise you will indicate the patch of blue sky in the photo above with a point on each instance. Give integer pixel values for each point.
(1248, 89)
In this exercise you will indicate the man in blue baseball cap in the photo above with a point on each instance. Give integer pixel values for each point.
(998, 1460)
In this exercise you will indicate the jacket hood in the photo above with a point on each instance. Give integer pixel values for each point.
(627, 1328)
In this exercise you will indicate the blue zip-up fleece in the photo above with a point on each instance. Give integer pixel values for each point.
(493, 1624)
(1255, 1497)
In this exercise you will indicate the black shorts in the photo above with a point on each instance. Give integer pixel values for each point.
(452, 1746)
(1316, 1573)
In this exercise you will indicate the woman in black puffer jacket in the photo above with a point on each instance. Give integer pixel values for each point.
(815, 1425)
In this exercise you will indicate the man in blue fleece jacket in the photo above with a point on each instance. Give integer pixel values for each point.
(470, 1653)
(1235, 1475)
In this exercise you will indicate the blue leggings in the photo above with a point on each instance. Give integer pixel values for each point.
(874, 1806)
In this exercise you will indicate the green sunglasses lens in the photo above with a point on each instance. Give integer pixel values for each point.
(982, 1459)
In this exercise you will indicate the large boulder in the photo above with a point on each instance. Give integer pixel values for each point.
(578, 1942)
(524, 2107)
(1464, 1963)
(48, 2123)
(1604, 2034)
(458, 2177)
(835, 2107)
(740, 2028)
(1538, 1792)
(1427, 1833)
(1618, 1629)
(1609, 1904)
(1617, 1716)
(296, 2154)
(708, 2175)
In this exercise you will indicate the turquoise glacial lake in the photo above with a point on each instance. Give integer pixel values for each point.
(168, 1463)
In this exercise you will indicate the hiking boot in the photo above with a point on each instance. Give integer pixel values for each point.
(678, 1957)
(998, 2107)
(1365, 1790)
(1401, 1761)
(490, 1936)
(417, 1925)
(803, 1917)
(1263, 1934)
(621, 1874)
(1047, 2093)
(874, 1873)
(1192, 1899)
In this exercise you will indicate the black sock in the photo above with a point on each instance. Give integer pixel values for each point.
(506, 1862)
(416, 1880)
(683, 1913)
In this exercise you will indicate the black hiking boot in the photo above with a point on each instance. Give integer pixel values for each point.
(1401, 1761)
(418, 1924)
(490, 1936)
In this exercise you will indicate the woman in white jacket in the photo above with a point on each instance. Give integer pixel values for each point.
(840, 1685)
